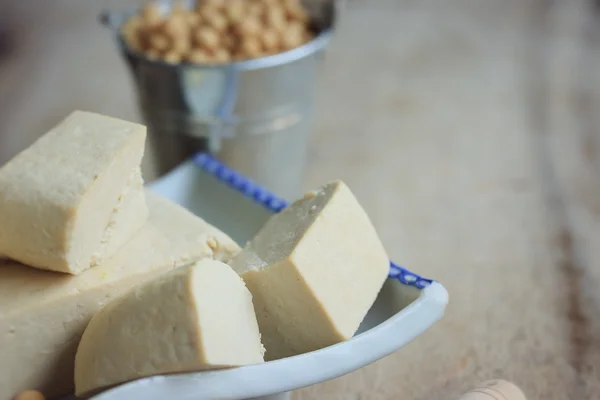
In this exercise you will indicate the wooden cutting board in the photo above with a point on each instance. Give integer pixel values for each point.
(469, 129)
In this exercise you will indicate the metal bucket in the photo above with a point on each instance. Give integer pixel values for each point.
(254, 115)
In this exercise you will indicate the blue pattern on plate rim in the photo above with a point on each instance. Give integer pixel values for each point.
(275, 204)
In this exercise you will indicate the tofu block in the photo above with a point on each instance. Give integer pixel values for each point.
(60, 199)
(314, 270)
(43, 314)
(194, 318)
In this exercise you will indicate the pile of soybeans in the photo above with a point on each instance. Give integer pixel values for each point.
(218, 31)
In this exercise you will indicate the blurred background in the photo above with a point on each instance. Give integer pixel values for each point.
(468, 129)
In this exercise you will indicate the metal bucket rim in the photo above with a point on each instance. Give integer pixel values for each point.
(286, 57)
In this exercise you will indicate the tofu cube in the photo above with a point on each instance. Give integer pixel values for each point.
(63, 200)
(314, 270)
(194, 318)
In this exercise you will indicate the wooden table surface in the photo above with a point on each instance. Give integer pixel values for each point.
(469, 130)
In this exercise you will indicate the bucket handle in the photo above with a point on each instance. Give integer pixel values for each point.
(110, 20)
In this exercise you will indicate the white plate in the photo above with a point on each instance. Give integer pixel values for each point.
(406, 306)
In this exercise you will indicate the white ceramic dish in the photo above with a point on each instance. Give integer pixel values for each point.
(406, 306)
